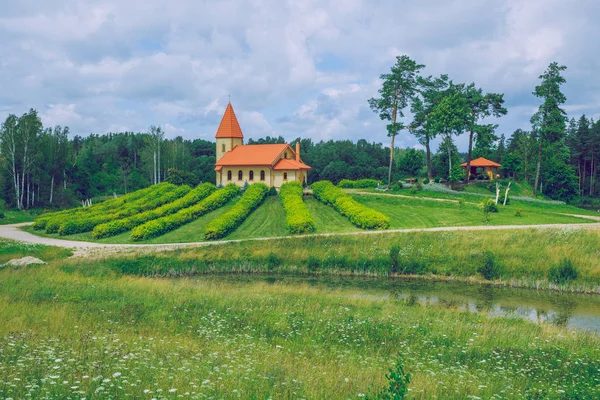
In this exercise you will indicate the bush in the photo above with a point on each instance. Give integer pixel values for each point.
(160, 226)
(273, 261)
(519, 212)
(490, 268)
(395, 257)
(437, 179)
(398, 381)
(179, 177)
(164, 193)
(125, 224)
(396, 186)
(426, 181)
(2, 216)
(297, 217)
(562, 273)
(272, 191)
(105, 207)
(360, 215)
(358, 184)
(226, 223)
(488, 206)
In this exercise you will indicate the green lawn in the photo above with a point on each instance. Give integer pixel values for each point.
(77, 329)
(423, 213)
(10, 249)
(268, 220)
(15, 217)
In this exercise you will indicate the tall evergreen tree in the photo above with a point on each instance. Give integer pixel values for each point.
(549, 121)
(397, 90)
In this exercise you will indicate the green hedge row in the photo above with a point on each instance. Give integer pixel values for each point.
(52, 221)
(107, 205)
(297, 217)
(160, 226)
(226, 223)
(166, 194)
(115, 227)
(358, 184)
(360, 215)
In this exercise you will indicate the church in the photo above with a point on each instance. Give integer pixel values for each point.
(271, 164)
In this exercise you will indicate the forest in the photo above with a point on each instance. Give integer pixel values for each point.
(48, 167)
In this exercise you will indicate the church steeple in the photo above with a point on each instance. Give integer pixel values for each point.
(229, 133)
(229, 127)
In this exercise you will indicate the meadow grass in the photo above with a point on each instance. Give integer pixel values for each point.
(16, 217)
(518, 258)
(10, 249)
(75, 329)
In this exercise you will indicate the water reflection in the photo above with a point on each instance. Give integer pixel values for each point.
(563, 309)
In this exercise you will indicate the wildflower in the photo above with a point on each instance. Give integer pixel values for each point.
(172, 390)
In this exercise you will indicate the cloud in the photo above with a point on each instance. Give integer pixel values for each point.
(292, 68)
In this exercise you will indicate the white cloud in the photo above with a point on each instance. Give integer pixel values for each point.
(295, 68)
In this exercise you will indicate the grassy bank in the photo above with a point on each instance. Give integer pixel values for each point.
(81, 330)
(519, 258)
(15, 217)
(10, 249)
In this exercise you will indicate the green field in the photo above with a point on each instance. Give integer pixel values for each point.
(415, 212)
(10, 249)
(78, 329)
(15, 217)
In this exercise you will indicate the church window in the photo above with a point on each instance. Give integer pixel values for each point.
(251, 175)
(240, 175)
(228, 175)
(223, 148)
(285, 176)
(262, 175)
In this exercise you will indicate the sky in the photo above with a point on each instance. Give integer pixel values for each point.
(291, 67)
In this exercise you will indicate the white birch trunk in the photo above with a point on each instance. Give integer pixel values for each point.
(506, 193)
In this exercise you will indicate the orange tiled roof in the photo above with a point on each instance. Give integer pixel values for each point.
(481, 162)
(290, 164)
(229, 126)
(252, 154)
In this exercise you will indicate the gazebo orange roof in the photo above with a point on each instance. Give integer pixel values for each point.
(229, 127)
(481, 162)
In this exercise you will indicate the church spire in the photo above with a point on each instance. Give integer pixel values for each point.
(229, 127)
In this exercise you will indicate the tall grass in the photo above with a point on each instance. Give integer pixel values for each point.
(520, 258)
(81, 330)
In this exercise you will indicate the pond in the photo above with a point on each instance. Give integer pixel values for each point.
(576, 311)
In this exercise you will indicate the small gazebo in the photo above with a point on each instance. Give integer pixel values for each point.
(482, 166)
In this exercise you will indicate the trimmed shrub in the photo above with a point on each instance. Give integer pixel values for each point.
(297, 217)
(106, 206)
(272, 191)
(360, 215)
(358, 184)
(160, 226)
(228, 222)
(564, 272)
(164, 194)
(125, 224)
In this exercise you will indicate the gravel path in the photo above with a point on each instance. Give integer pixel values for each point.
(90, 249)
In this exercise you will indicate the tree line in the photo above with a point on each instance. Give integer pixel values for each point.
(560, 162)
(45, 167)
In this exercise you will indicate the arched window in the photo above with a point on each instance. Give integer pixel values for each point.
(251, 175)
(240, 175)
(262, 175)
(228, 175)
(223, 148)
(285, 176)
